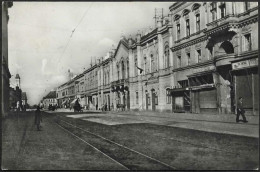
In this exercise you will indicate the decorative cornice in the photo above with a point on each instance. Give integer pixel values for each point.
(208, 62)
(189, 43)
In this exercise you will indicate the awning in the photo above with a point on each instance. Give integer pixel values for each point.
(202, 86)
(179, 89)
(73, 101)
(65, 101)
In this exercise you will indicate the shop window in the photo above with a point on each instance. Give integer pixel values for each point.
(179, 61)
(247, 44)
(178, 31)
(136, 97)
(198, 55)
(189, 59)
(222, 8)
(168, 96)
(187, 27)
(213, 10)
(197, 22)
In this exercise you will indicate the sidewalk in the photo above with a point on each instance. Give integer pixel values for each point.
(217, 123)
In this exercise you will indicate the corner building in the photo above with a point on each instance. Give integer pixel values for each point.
(211, 41)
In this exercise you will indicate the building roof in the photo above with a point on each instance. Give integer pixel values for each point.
(51, 95)
(24, 96)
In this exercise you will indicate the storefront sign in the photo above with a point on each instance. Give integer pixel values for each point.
(245, 63)
(208, 68)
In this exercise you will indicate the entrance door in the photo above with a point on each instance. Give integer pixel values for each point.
(153, 100)
(195, 102)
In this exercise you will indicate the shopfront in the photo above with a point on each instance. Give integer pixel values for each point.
(246, 84)
(203, 93)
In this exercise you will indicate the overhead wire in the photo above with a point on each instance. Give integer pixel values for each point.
(74, 31)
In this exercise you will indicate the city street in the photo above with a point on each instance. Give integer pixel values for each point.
(122, 141)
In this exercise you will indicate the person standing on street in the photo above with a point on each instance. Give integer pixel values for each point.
(38, 118)
(240, 110)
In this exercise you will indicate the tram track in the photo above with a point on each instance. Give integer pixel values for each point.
(131, 159)
(182, 142)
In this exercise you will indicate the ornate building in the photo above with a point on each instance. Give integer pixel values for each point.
(198, 59)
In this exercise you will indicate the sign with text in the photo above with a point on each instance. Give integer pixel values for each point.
(245, 63)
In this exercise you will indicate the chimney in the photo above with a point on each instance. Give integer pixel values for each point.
(130, 41)
(138, 36)
(159, 22)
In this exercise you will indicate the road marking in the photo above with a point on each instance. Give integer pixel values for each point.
(122, 146)
(94, 147)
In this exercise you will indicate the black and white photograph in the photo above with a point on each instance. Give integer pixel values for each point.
(129, 85)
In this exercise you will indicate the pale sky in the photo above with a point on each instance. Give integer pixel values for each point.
(39, 32)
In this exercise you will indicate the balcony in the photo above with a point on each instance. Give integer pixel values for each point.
(224, 23)
(119, 82)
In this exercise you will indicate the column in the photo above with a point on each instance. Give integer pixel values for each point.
(139, 61)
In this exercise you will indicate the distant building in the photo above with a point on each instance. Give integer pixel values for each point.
(50, 99)
(5, 69)
(24, 99)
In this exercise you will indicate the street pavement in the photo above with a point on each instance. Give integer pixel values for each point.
(221, 123)
(55, 148)
(25, 148)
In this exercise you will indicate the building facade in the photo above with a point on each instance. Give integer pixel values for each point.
(50, 99)
(209, 38)
(200, 59)
(5, 69)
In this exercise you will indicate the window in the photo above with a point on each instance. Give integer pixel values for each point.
(198, 55)
(187, 27)
(189, 60)
(145, 65)
(213, 11)
(148, 99)
(197, 22)
(167, 58)
(118, 72)
(222, 10)
(127, 69)
(136, 70)
(123, 70)
(178, 32)
(179, 61)
(168, 96)
(152, 64)
(247, 42)
(136, 97)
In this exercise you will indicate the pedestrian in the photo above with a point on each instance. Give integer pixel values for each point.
(240, 110)
(38, 118)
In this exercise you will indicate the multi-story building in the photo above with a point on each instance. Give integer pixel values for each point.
(209, 38)
(198, 59)
(5, 69)
(50, 99)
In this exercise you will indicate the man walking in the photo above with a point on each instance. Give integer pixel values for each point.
(38, 118)
(240, 110)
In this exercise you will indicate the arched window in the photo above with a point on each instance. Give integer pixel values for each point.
(123, 70)
(117, 71)
(167, 56)
(227, 47)
(152, 63)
